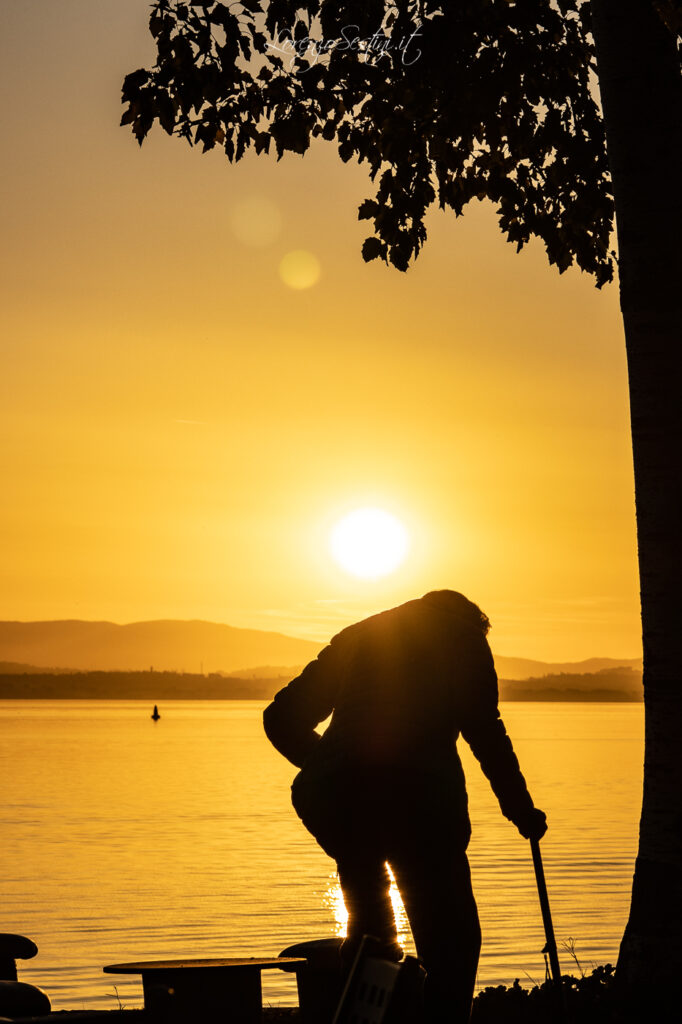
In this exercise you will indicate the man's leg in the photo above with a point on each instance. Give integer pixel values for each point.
(365, 884)
(436, 889)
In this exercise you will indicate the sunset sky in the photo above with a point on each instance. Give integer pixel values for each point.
(181, 428)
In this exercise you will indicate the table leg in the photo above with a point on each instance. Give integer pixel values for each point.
(195, 994)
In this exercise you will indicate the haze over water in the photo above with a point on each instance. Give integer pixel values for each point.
(124, 840)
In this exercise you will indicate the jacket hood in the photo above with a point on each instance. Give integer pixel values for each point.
(441, 604)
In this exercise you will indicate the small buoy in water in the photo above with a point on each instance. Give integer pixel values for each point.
(155, 714)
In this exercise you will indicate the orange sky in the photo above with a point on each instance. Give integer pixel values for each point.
(180, 428)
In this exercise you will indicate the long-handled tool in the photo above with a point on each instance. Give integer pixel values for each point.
(550, 947)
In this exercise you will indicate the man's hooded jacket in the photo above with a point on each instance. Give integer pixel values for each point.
(401, 687)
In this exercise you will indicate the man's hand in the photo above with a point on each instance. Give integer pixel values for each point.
(534, 824)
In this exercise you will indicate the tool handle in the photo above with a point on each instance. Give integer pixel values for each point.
(546, 915)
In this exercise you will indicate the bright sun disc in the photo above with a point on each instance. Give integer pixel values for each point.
(369, 543)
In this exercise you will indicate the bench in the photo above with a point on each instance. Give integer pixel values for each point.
(17, 999)
(193, 990)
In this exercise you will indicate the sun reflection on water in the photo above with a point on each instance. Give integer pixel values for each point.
(333, 899)
(398, 911)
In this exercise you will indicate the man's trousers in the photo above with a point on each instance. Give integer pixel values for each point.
(435, 885)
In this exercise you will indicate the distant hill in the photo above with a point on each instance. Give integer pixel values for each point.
(621, 683)
(167, 645)
(527, 668)
(72, 658)
(178, 646)
(19, 668)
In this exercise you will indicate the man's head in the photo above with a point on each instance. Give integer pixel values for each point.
(460, 606)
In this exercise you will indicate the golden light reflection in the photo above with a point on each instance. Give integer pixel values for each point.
(398, 910)
(333, 899)
(300, 269)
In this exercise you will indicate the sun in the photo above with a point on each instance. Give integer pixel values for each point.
(369, 543)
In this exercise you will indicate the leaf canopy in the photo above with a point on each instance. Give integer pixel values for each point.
(445, 102)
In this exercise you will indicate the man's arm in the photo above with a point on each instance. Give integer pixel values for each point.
(484, 731)
(290, 720)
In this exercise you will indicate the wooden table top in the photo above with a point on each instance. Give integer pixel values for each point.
(256, 963)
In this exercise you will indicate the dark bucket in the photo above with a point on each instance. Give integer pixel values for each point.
(320, 980)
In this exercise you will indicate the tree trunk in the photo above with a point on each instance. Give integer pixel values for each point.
(639, 78)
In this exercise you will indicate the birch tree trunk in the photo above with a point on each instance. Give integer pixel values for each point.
(639, 78)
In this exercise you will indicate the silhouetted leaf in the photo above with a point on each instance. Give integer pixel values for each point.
(367, 210)
(483, 99)
(372, 248)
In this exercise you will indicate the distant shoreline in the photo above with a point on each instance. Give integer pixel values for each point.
(553, 698)
(610, 686)
(149, 686)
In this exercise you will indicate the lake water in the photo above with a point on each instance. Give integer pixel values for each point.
(125, 839)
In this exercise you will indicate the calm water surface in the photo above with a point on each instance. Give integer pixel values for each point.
(124, 839)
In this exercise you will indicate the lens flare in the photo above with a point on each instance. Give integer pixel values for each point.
(300, 269)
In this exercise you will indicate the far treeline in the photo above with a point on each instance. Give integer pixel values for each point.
(613, 684)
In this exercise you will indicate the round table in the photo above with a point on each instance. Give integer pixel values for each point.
(197, 990)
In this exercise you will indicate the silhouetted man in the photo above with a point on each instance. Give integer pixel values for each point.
(384, 782)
